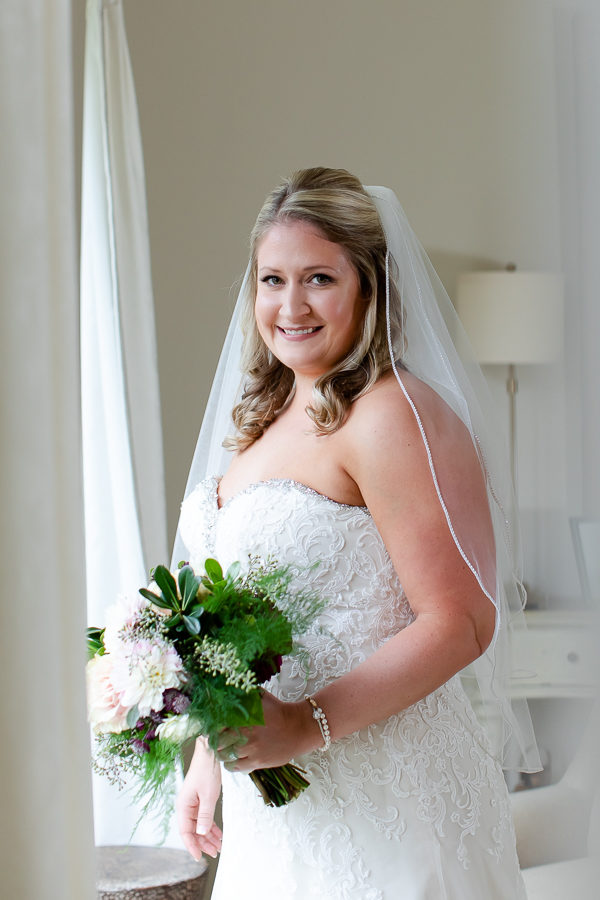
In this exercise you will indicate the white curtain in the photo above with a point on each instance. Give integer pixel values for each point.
(577, 29)
(125, 516)
(46, 849)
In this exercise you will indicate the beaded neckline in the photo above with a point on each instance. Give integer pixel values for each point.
(290, 482)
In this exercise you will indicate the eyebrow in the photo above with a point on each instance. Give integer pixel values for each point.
(318, 266)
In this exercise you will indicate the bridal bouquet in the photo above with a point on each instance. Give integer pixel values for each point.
(186, 657)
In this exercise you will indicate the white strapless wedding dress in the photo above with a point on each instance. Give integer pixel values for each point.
(410, 808)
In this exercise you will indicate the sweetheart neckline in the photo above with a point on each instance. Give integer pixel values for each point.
(268, 482)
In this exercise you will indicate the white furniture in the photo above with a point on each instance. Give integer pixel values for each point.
(558, 655)
(558, 826)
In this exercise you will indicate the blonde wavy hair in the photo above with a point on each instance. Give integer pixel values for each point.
(335, 203)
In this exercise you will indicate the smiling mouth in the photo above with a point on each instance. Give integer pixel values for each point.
(293, 331)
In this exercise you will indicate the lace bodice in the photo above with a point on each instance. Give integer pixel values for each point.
(407, 807)
(335, 550)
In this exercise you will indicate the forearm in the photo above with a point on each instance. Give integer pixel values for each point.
(204, 763)
(408, 667)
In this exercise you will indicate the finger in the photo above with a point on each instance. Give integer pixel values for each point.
(195, 845)
(205, 813)
(209, 844)
(230, 738)
(227, 754)
(204, 822)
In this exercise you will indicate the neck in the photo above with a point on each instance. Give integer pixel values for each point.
(303, 392)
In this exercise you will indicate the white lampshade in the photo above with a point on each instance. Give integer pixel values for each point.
(512, 317)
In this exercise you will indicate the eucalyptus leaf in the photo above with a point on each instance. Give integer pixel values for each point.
(173, 620)
(168, 586)
(132, 717)
(192, 624)
(213, 570)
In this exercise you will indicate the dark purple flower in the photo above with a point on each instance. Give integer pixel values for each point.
(141, 724)
(150, 734)
(175, 701)
(265, 668)
(140, 747)
(156, 717)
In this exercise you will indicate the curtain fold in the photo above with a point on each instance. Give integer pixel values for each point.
(125, 516)
(46, 849)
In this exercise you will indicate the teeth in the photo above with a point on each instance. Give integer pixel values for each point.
(298, 330)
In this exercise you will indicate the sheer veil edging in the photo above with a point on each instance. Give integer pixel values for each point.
(449, 397)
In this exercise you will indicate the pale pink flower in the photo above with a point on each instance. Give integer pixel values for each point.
(124, 612)
(105, 710)
(143, 670)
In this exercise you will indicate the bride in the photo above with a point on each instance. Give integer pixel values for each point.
(359, 445)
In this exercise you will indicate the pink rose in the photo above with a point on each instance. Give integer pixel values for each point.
(105, 711)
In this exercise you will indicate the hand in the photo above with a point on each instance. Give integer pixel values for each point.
(196, 803)
(289, 731)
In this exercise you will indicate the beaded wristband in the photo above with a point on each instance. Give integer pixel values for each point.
(322, 722)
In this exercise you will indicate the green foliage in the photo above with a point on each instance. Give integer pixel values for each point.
(154, 773)
(179, 596)
(95, 642)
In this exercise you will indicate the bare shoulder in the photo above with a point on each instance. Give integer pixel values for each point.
(384, 439)
(386, 419)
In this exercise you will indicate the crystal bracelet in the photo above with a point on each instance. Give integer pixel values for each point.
(322, 722)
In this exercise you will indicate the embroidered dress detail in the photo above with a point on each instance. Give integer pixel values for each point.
(413, 807)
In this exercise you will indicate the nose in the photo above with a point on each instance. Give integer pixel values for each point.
(294, 302)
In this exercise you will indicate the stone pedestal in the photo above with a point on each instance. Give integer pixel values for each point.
(148, 873)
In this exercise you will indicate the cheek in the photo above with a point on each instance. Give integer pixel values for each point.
(263, 316)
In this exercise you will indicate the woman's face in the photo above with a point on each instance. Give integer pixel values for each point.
(309, 309)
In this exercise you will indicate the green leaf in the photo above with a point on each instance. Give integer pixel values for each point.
(233, 571)
(249, 712)
(95, 633)
(168, 586)
(173, 620)
(132, 717)
(94, 648)
(196, 610)
(154, 598)
(213, 570)
(188, 586)
(95, 642)
(192, 624)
